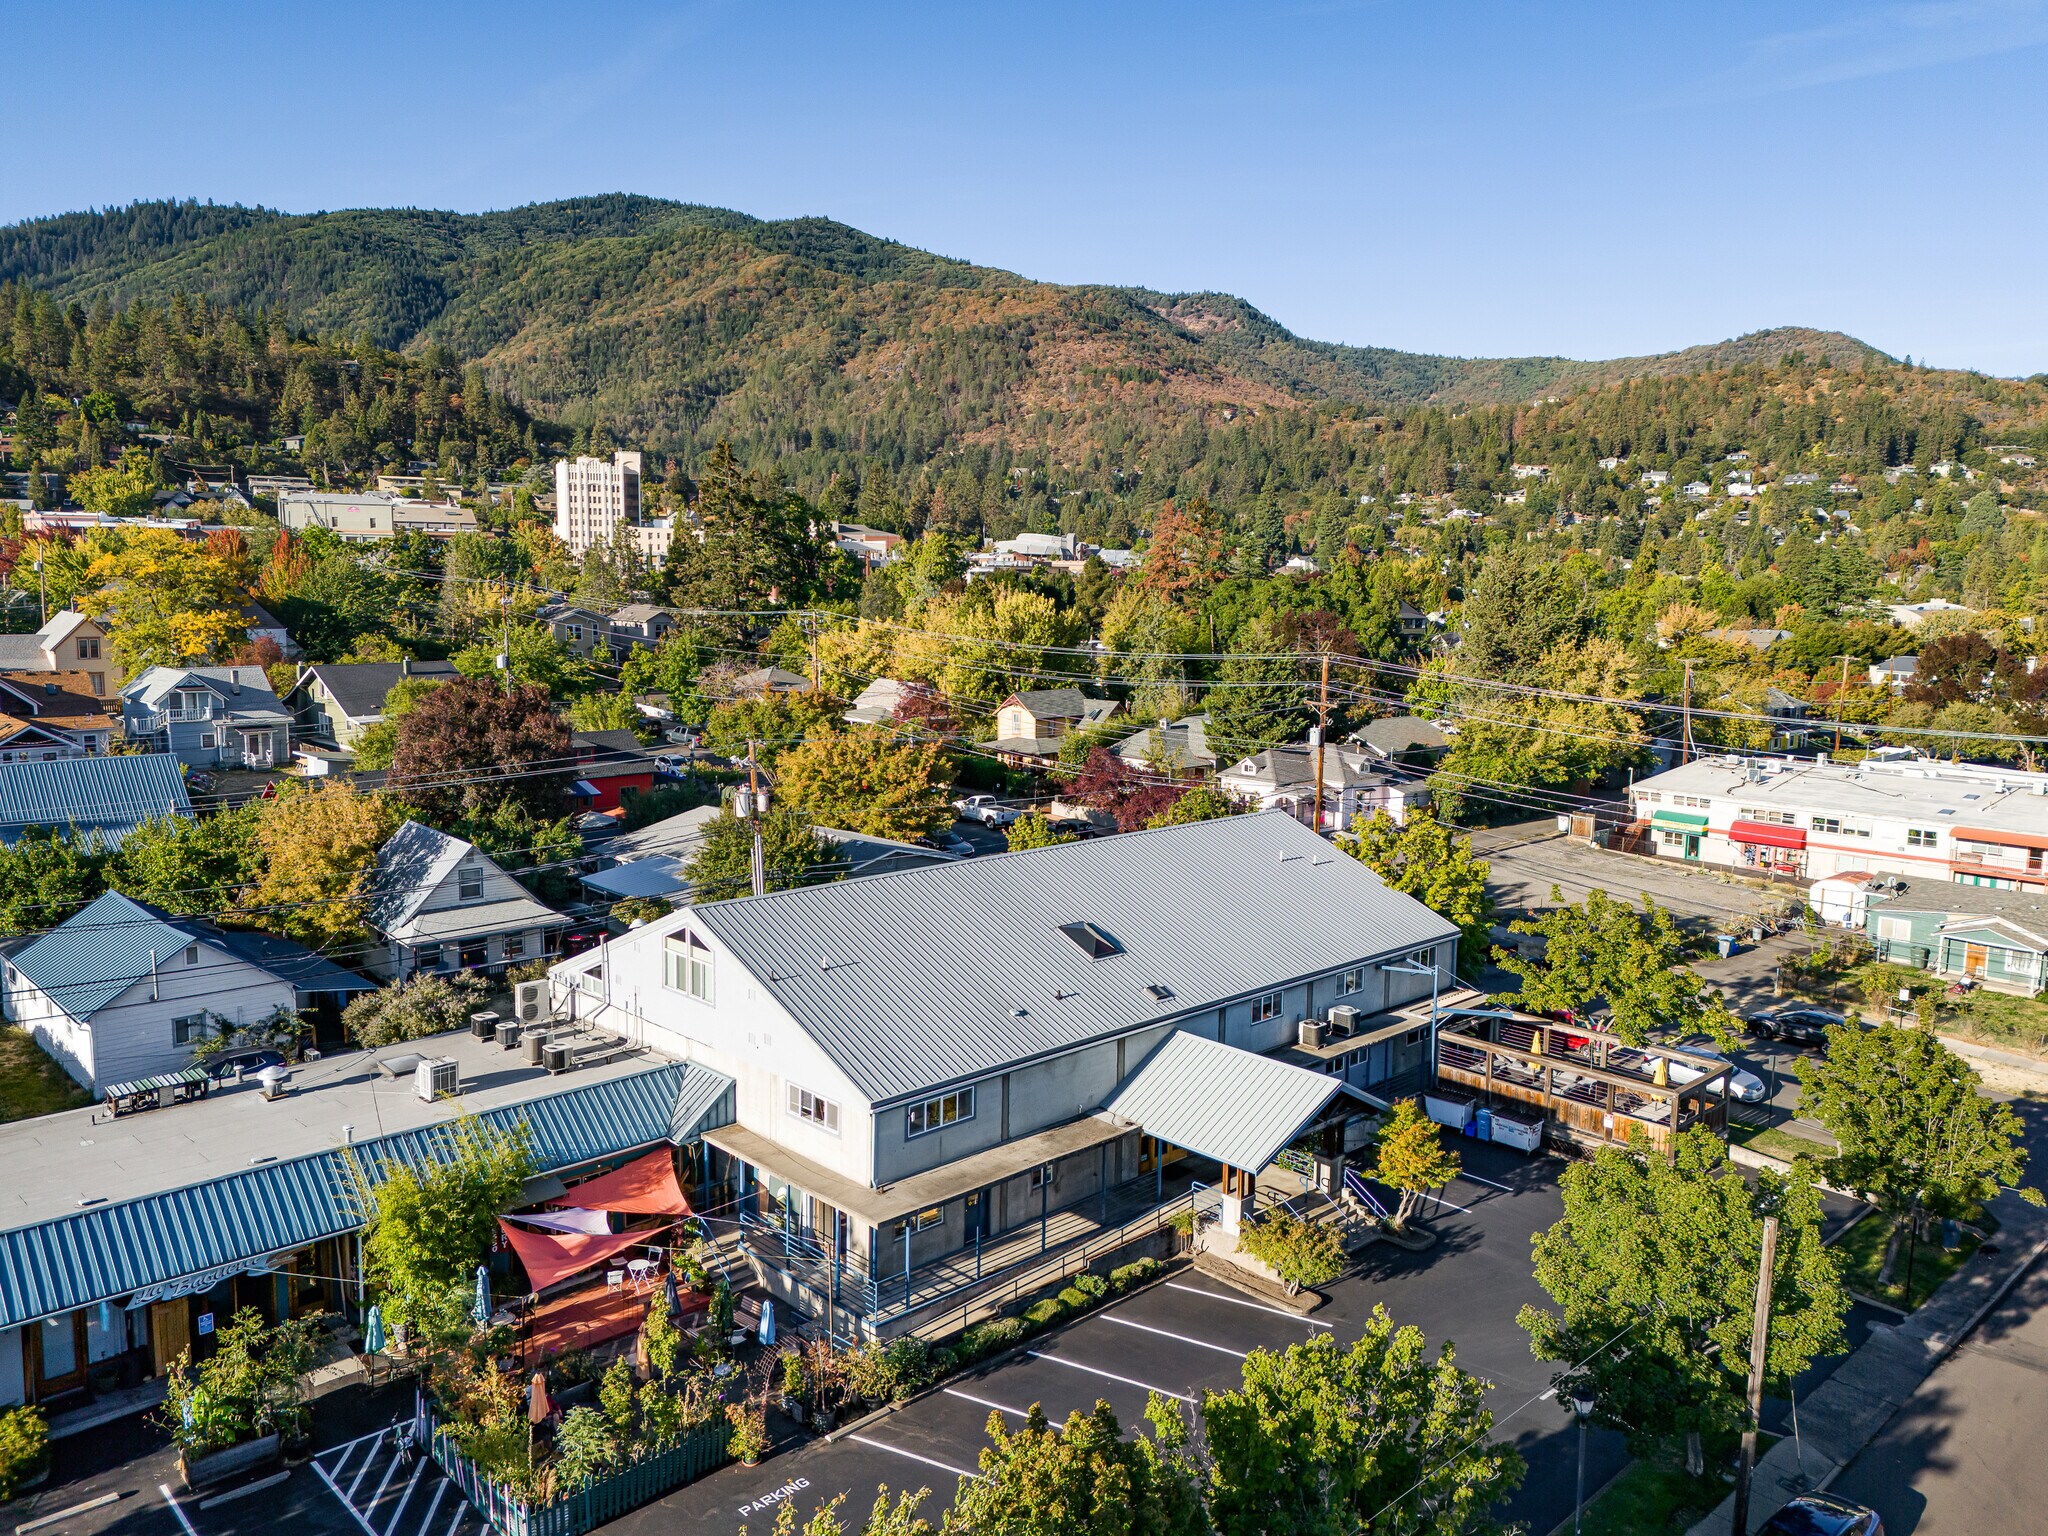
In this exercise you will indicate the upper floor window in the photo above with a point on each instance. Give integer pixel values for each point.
(1922, 837)
(686, 966)
(88, 650)
(188, 1029)
(469, 884)
(806, 1105)
(1267, 1007)
(943, 1110)
(1354, 981)
(191, 954)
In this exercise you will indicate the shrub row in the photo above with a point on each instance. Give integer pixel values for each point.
(1077, 1296)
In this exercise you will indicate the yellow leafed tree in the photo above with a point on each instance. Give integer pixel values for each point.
(317, 846)
(165, 602)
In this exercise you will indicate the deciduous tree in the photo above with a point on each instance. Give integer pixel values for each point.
(865, 780)
(1412, 1157)
(316, 850)
(792, 854)
(1918, 1137)
(1652, 1272)
(166, 603)
(1423, 858)
(190, 866)
(1081, 1476)
(1604, 950)
(469, 746)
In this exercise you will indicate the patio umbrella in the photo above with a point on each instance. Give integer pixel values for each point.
(373, 1332)
(538, 1406)
(482, 1310)
(670, 1298)
(767, 1323)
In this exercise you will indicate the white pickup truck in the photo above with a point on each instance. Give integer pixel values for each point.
(987, 810)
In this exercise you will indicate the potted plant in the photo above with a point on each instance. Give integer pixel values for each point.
(793, 1386)
(24, 1452)
(749, 1440)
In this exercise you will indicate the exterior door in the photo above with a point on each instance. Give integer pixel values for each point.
(170, 1332)
(1975, 958)
(1692, 845)
(977, 1216)
(56, 1355)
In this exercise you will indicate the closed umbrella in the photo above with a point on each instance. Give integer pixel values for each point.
(767, 1322)
(482, 1310)
(670, 1298)
(373, 1333)
(538, 1407)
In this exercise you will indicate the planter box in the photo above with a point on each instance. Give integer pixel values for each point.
(219, 1466)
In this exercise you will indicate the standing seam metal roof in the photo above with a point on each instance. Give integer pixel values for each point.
(109, 1251)
(108, 795)
(913, 980)
(1221, 1102)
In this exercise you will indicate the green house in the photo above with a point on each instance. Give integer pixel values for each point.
(1996, 951)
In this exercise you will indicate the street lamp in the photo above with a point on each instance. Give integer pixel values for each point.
(1582, 1407)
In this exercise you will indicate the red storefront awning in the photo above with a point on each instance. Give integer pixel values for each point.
(1765, 835)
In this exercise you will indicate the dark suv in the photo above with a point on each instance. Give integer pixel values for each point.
(1820, 1514)
(1797, 1021)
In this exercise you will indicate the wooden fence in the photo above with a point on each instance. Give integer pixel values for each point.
(595, 1503)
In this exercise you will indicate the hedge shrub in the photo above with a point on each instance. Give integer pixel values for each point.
(1094, 1287)
(986, 1338)
(1043, 1314)
(1074, 1299)
(1136, 1273)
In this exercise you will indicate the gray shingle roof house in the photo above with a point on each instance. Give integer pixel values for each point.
(333, 701)
(1177, 747)
(1030, 724)
(208, 717)
(106, 796)
(929, 1059)
(123, 990)
(439, 904)
(1408, 737)
(1356, 783)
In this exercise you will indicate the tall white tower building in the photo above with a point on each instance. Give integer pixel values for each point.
(594, 496)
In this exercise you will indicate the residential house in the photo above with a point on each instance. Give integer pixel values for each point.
(763, 681)
(637, 624)
(1894, 672)
(68, 642)
(870, 546)
(1697, 488)
(651, 862)
(1355, 785)
(1913, 615)
(49, 715)
(611, 768)
(1411, 621)
(581, 630)
(437, 903)
(265, 625)
(1181, 746)
(1995, 937)
(1652, 478)
(122, 991)
(333, 702)
(1760, 639)
(1039, 546)
(102, 797)
(993, 1056)
(877, 703)
(1405, 739)
(1030, 725)
(208, 717)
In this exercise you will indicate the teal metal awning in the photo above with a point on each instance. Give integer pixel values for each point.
(1685, 821)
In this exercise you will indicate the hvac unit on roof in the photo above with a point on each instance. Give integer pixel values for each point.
(437, 1077)
(1343, 1020)
(1310, 1033)
(531, 1002)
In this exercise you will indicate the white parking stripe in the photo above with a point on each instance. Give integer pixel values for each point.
(427, 1520)
(1437, 1200)
(897, 1450)
(404, 1498)
(184, 1524)
(455, 1524)
(385, 1482)
(1475, 1179)
(1239, 1301)
(1129, 1381)
(335, 1488)
(1167, 1333)
(969, 1397)
(368, 1461)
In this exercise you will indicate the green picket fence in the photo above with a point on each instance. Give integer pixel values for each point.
(573, 1514)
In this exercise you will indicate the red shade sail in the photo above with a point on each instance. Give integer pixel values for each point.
(644, 1187)
(549, 1257)
(1762, 834)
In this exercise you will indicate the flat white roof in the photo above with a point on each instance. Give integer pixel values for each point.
(1939, 794)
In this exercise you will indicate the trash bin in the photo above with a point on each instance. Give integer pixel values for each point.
(1725, 942)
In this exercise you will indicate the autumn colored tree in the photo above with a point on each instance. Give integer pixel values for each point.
(469, 746)
(1133, 795)
(1412, 1157)
(166, 602)
(1185, 557)
(865, 780)
(317, 847)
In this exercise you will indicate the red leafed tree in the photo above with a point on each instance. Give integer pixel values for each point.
(469, 747)
(1129, 793)
(1185, 556)
(924, 712)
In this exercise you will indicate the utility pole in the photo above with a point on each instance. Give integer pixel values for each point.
(756, 805)
(811, 632)
(1845, 660)
(505, 655)
(1322, 730)
(42, 593)
(1685, 753)
(1759, 1346)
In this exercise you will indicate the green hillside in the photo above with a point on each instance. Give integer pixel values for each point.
(673, 325)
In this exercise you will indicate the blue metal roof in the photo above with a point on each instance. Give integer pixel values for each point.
(94, 956)
(107, 795)
(105, 1253)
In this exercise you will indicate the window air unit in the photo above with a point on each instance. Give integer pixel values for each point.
(437, 1077)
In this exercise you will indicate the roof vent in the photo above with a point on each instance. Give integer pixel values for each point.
(1158, 991)
(1091, 940)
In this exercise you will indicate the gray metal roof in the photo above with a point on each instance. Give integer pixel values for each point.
(1221, 1102)
(107, 795)
(930, 976)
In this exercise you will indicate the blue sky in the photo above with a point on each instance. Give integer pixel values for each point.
(1442, 175)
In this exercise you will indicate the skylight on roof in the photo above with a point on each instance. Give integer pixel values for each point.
(1091, 940)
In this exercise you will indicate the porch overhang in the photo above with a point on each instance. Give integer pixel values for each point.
(1224, 1103)
(921, 1191)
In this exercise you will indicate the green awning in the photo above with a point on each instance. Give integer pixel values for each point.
(1683, 820)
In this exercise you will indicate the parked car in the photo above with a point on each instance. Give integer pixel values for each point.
(1822, 1514)
(671, 765)
(1077, 827)
(987, 810)
(243, 1064)
(681, 736)
(1747, 1087)
(953, 843)
(1794, 1021)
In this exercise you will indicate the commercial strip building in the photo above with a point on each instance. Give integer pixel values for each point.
(1894, 813)
(931, 1062)
(361, 516)
(123, 1242)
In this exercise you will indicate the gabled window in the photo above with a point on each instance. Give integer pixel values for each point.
(686, 966)
(469, 884)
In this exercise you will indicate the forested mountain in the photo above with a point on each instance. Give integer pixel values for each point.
(674, 325)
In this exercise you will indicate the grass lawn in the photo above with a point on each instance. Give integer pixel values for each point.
(1775, 1141)
(1994, 1018)
(1654, 1497)
(30, 1082)
(1862, 1252)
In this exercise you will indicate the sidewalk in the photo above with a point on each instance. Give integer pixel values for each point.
(1872, 1385)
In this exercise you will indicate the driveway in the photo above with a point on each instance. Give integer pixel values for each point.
(1529, 858)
